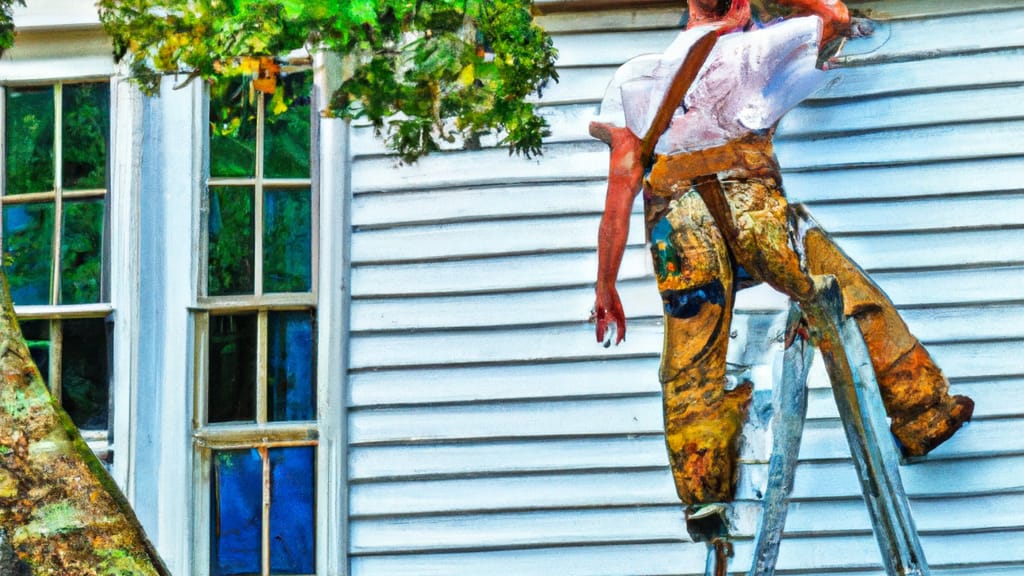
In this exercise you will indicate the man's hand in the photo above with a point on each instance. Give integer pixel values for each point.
(611, 321)
(859, 28)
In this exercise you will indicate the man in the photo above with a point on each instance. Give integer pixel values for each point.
(714, 208)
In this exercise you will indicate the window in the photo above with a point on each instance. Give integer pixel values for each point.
(256, 423)
(54, 223)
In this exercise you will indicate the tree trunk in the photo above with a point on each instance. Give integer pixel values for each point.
(60, 510)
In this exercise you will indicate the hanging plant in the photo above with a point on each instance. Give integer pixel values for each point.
(421, 72)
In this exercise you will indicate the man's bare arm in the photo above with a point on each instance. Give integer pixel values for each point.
(625, 171)
(836, 17)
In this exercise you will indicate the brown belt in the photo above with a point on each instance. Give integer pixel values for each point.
(750, 156)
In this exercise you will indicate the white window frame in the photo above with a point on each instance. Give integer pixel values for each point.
(57, 314)
(41, 60)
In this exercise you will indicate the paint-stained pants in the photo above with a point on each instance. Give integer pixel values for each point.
(696, 258)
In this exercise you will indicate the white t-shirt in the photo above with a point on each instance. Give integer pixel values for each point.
(747, 83)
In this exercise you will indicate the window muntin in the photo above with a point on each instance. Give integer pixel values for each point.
(54, 203)
(256, 420)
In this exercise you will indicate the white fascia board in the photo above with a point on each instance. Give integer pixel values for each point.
(56, 14)
(41, 56)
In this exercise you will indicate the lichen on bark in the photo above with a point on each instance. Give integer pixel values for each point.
(61, 511)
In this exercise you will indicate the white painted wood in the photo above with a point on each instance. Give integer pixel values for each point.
(925, 288)
(908, 39)
(995, 398)
(589, 561)
(929, 74)
(490, 274)
(171, 168)
(509, 456)
(498, 383)
(536, 491)
(124, 205)
(958, 249)
(527, 345)
(885, 10)
(491, 435)
(507, 420)
(625, 17)
(573, 305)
(945, 213)
(333, 266)
(947, 142)
(825, 440)
(52, 54)
(369, 210)
(876, 251)
(587, 84)
(827, 555)
(474, 239)
(55, 14)
(656, 523)
(609, 47)
(562, 162)
(663, 523)
(905, 110)
(884, 182)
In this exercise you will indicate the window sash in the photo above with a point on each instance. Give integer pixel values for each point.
(260, 433)
(57, 195)
(100, 441)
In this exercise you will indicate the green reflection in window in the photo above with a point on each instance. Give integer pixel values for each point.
(286, 134)
(30, 127)
(232, 387)
(83, 377)
(28, 251)
(37, 336)
(287, 241)
(231, 249)
(85, 127)
(232, 129)
(81, 249)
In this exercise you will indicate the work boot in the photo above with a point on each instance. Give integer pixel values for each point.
(923, 414)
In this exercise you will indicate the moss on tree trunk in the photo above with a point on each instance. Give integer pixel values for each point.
(60, 509)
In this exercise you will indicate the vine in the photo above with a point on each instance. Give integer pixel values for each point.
(421, 72)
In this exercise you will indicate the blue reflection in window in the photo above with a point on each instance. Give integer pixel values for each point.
(290, 366)
(236, 515)
(287, 240)
(292, 521)
(28, 242)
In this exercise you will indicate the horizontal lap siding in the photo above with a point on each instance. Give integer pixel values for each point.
(489, 434)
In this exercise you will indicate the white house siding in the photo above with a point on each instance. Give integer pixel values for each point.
(490, 434)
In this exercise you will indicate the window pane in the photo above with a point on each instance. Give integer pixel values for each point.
(232, 388)
(290, 366)
(236, 512)
(232, 129)
(84, 385)
(30, 130)
(231, 251)
(286, 135)
(37, 336)
(85, 128)
(287, 241)
(292, 489)
(28, 252)
(80, 252)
